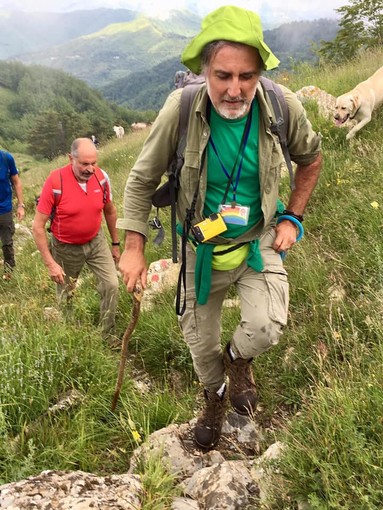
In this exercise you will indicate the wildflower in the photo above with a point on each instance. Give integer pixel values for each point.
(374, 204)
(136, 436)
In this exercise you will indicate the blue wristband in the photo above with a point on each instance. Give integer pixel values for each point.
(296, 222)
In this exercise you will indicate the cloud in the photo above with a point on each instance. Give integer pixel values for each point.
(299, 9)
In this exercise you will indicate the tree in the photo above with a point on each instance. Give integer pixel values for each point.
(46, 137)
(361, 27)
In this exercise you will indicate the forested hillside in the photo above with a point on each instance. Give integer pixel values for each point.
(292, 43)
(132, 63)
(132, 58)
(298, 41)
(145, 90)
(42, 110)
(119, 49)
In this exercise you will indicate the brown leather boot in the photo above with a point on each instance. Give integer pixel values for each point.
(242, 390)
(208, 427)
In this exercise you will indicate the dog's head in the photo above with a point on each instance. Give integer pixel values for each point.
(346, 107)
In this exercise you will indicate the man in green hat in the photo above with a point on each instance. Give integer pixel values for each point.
(229, 187)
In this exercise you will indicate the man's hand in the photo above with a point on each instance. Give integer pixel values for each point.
(20, 212)
(286, 236)
(56, 272)
(306, 178)
(132, 265)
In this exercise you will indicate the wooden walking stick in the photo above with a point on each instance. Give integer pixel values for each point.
(137, 296)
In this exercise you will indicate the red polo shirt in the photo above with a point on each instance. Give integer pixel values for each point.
(78, 215)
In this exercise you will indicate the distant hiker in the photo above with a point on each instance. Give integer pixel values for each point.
(227, 207)
(9, 180)
(179, 79)
(183, 78)
(95, 141)
(77, 195)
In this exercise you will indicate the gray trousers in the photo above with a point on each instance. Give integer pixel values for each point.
(7, 231)
(264, 299)
(97, 256)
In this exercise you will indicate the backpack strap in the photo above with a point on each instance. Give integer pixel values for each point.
(187, 98)
(102, 181)
(281, 114)
(57, 187)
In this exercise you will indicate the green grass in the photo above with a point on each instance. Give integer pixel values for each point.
(326, 372)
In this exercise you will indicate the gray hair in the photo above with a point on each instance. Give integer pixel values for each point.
(76, 144)
(211, 50)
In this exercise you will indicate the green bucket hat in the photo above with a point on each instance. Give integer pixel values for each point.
(228, 23)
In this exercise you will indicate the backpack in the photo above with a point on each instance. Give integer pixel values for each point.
(166, 194)
(57, 189)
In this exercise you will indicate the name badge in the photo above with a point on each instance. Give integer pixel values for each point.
(234, 214)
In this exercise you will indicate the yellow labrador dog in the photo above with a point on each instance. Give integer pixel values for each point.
(360, 102)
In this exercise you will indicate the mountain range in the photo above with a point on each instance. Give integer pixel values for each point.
(129, 57)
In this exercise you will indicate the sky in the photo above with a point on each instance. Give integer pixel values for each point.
(289, 9)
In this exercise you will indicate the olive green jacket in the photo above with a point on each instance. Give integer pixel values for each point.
(161, 144)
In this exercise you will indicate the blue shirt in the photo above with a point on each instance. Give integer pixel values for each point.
(7, 169)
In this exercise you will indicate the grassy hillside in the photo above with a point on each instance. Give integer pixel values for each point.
(324, 378)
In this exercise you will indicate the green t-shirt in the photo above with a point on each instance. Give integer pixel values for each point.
(227, 135)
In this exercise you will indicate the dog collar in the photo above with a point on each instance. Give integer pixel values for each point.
(355, 113)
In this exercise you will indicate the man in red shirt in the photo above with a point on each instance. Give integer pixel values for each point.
(78, 194)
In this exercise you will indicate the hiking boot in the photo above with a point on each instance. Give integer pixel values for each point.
(208, 427)
(242, 390)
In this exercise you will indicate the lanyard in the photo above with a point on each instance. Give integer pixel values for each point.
(241, 151)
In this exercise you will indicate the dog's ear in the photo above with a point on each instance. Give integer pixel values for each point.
(356, 102)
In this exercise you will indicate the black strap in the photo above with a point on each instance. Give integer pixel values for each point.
(229, 250)
(184, 240)
(173, 216)
(281, 114)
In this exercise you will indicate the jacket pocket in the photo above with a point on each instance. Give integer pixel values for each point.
(273, 173)
(278, 288)
(190, 171)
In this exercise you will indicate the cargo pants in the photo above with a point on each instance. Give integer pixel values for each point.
(97, 256)
(264, 300)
